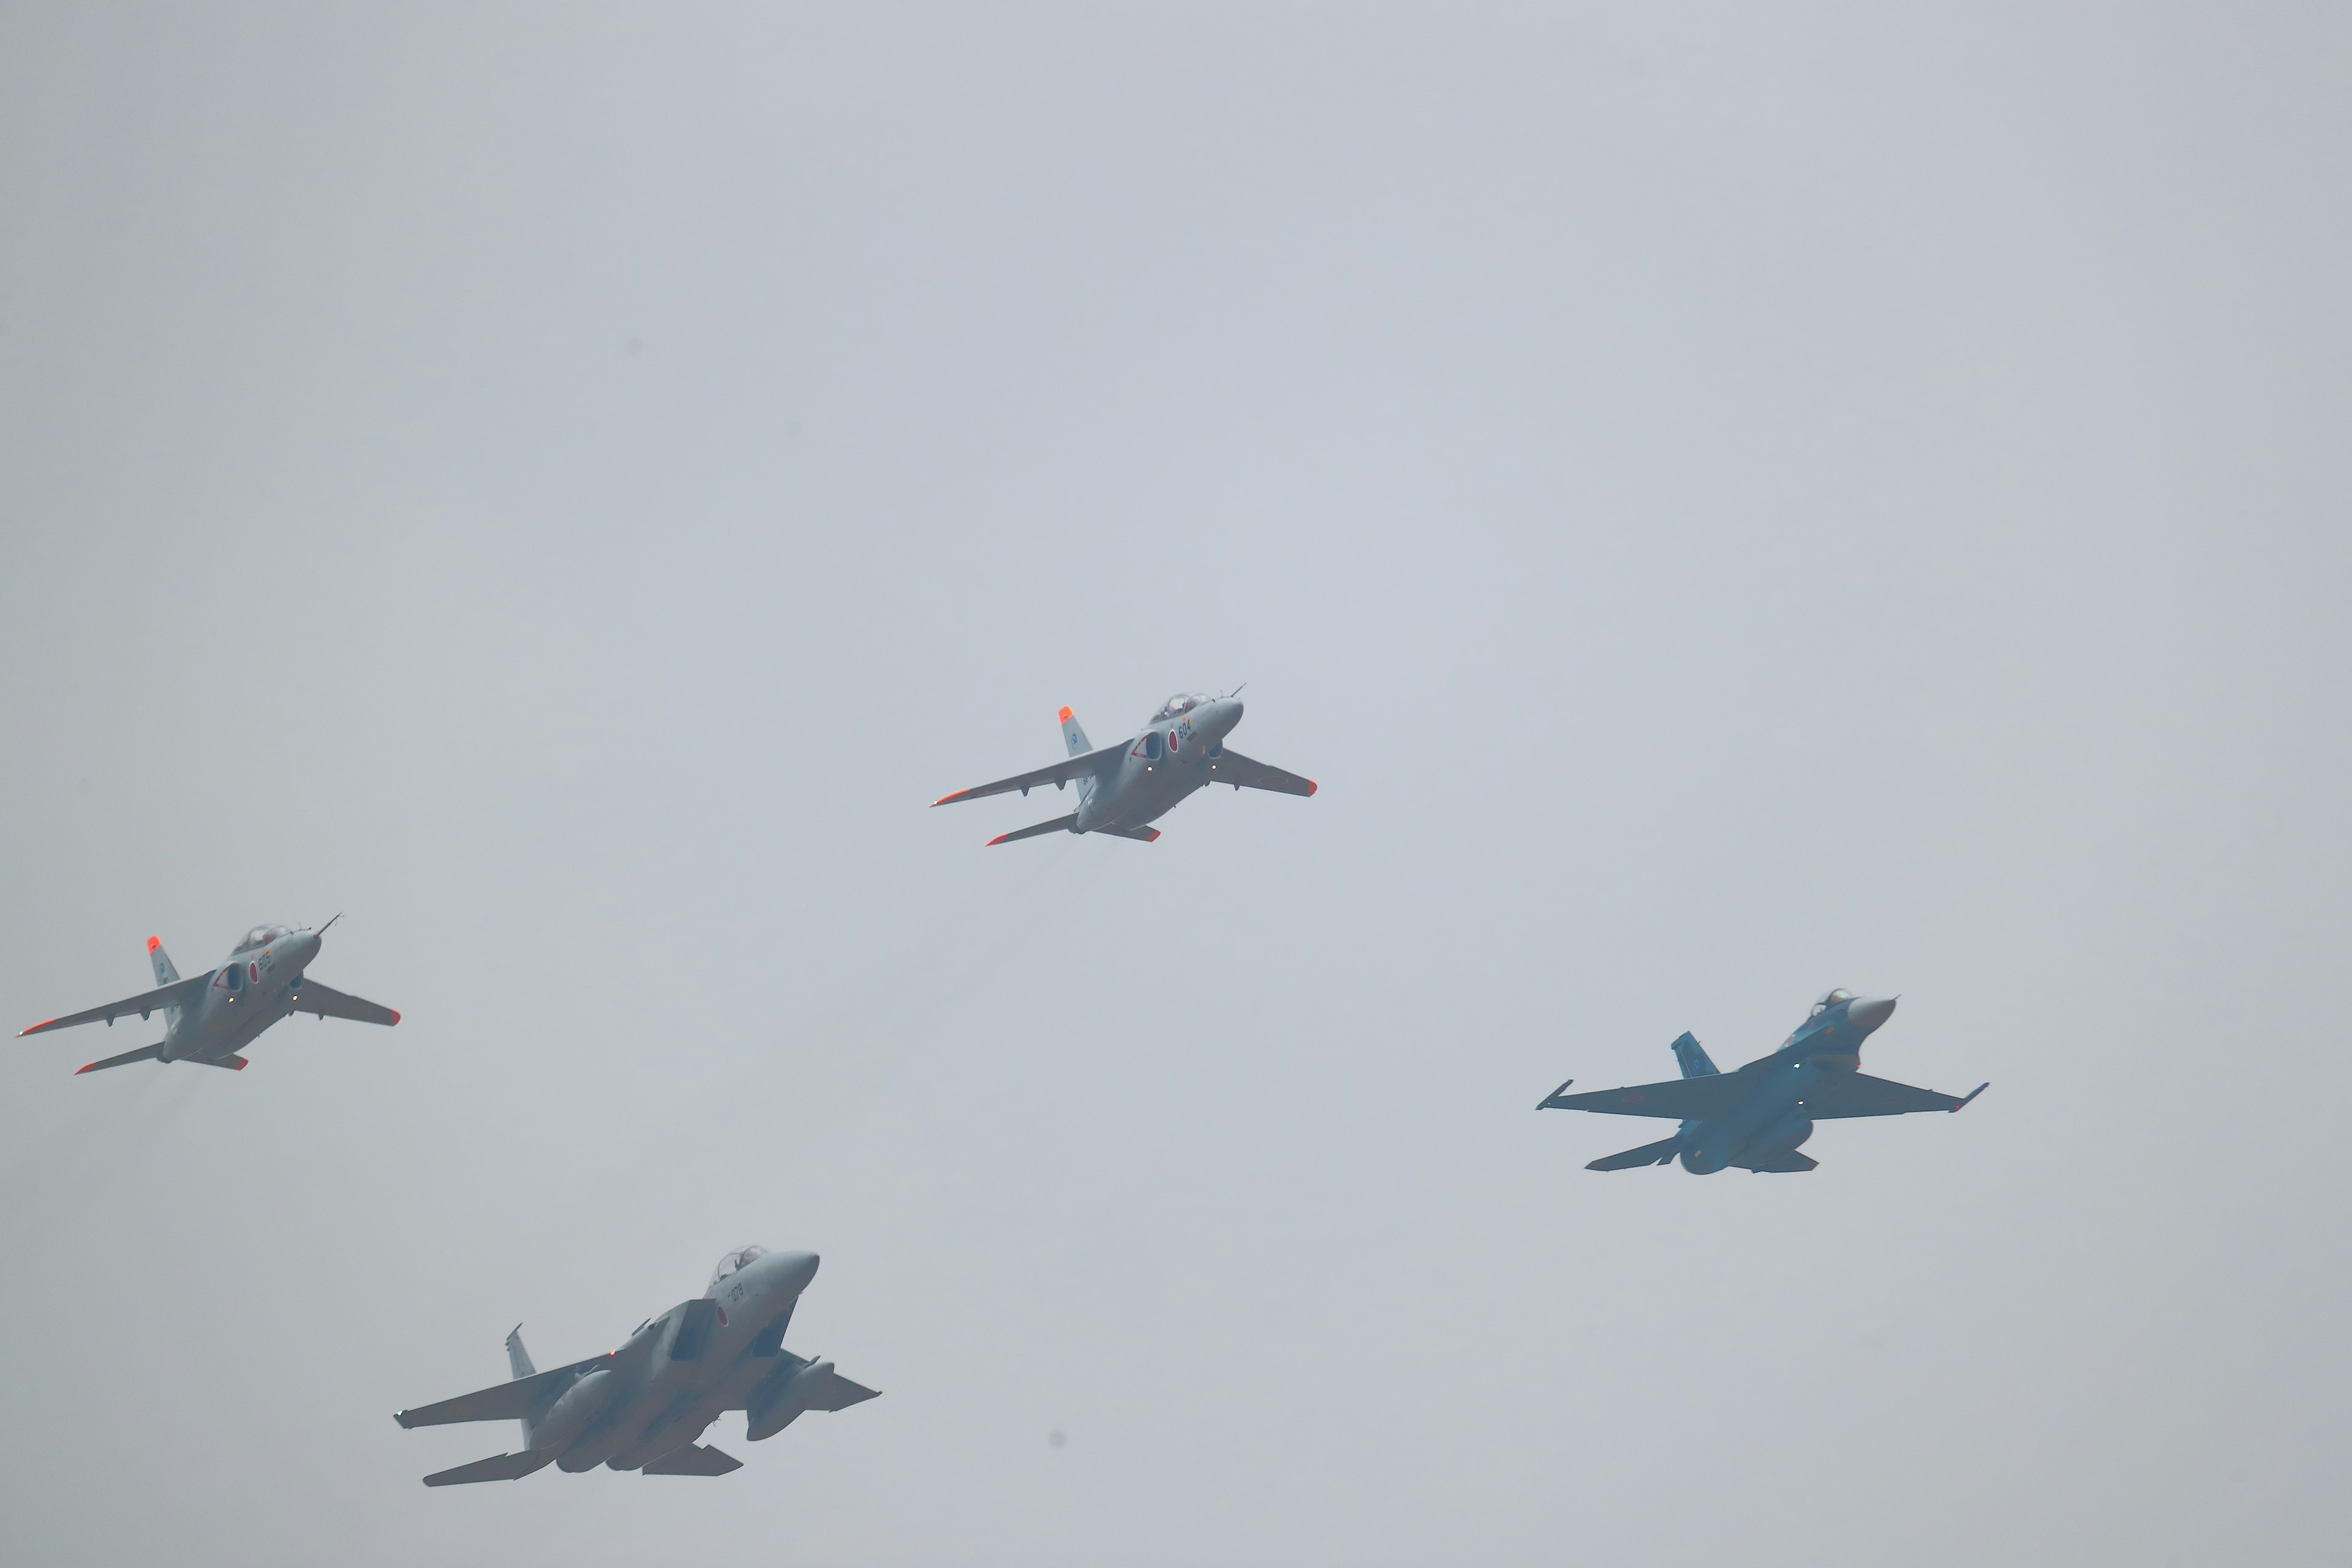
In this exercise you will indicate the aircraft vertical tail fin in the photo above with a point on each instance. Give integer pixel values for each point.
(519, 1363)
(165, 974)
(1074, 737)
(1693, 1057)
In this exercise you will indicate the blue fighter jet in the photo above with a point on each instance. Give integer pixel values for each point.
(1757, 1116)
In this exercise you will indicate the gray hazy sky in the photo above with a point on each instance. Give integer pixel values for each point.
(1729, 503)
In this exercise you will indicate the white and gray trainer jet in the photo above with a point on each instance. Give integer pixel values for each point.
(1124, 787)
(646, 1405)
(210, 1017)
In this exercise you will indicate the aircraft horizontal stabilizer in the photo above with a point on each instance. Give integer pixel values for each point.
(178, 993)
(1229, 768)
(1786, 1161)
(234, 1064)
(521, 1400)
(1141, 834)
(1662, 1152)
(144, 1053)
(1059, 825)
(496, 1468)
(328, 1002)
(693, 1461)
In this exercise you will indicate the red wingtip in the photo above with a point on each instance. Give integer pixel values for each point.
(153, 943)
(951, 794)
(1312, 786)
(396, 1015)
(1064, 715)
(242, 1064)
(996, 841)
(31, 1027)
(79, 1070)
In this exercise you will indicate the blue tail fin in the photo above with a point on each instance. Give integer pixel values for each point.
(1692, 1056)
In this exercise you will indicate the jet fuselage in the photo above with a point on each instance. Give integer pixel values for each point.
(1770, 1119)
(257, 987)
(1165, 761)
(659, 1400)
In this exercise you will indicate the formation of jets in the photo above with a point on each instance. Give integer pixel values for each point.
(647, 1406)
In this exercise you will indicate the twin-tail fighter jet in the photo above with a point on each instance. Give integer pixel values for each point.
(1124, 787)
(1755, 1117)
(644, 1406)
(210, 1017)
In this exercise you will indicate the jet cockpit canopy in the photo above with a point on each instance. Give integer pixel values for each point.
(1183, 702)
(735, 1260)
(259, 936)
(1829, 1000)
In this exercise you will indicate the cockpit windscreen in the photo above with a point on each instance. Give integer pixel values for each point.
(735, 1260)
(259, 936)
(1830, 1000)
(1183, 702)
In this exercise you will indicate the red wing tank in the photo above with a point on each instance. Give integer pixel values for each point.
(1757, 1116)
(1123, 788)
(646, 1405)
(209, 1019)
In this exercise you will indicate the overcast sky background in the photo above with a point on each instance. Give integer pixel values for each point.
(1727, 503)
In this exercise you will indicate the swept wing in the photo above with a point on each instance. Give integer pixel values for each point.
(1084, 764)
(1859, 1094)
(328, 1002)
(178, 993)
(1248, 772)
(516, 1401)
(838, 1393)
(1684, 1098)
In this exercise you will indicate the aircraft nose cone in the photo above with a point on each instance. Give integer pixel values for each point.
(1231, 714)
(797, 1269)
(1869, 1012)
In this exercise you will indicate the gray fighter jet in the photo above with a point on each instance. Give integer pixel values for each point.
(1756, 1118)
(210, 1017)
(1122, 788)
(643, 1408)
